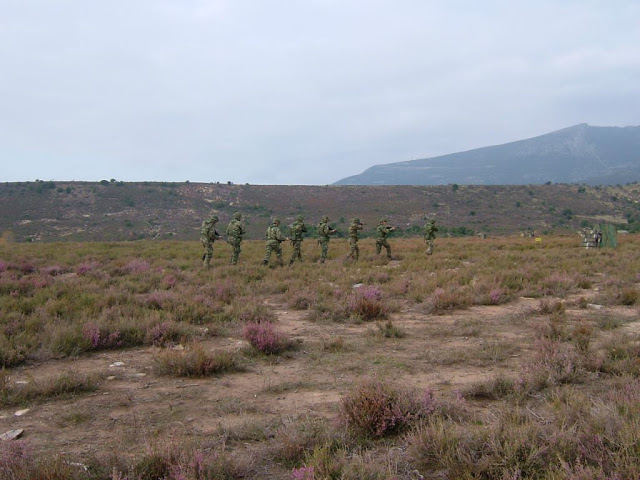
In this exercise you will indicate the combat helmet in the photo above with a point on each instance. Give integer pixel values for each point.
(325, 218)
(214, 218)
(237, 216)
(356, 220)
(383, 220)
(275, 221)
(300, 218)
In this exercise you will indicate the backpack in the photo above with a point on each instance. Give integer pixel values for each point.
(272, 233)
(295, 231)
(233, 230)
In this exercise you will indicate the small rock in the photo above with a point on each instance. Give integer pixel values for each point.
(20, 413)
(178, 347)
(594, 306)
(11, 434)
(22, 382)
(111, 377)
(117, 364)
(141, 374)
(79, 465)
(358, 285)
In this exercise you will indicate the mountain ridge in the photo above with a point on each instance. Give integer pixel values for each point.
(577, 154)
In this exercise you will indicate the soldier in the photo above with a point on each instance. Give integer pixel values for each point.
(597, 238)
(430, 230)
(381, 237)
(324, 230)
(274, 239)
(235, 231)
(297, 231)
(354, 251)
(208, 235)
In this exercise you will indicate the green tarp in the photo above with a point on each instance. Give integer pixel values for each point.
(609, 235)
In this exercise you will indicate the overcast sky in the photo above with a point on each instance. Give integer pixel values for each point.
(298, 91)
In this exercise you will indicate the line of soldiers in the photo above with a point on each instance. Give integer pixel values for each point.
(275, 237)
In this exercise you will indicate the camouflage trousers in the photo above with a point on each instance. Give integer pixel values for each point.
(354, 251)
(324, 249)
(297, 251)
(235, 249)
(273, 247)
(382, 242)
(429, 246)
(208, 252)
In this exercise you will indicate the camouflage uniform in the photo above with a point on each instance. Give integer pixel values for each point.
(274, 239)
(430, 230)
(381, 237)
(297, 231)
(354, 251)
(324, 230)
(208, 235)
(235, 231)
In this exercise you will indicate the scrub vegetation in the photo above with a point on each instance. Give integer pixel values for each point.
(498, 358)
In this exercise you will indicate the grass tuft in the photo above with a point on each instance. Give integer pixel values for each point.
(196, 363)
(64, 385)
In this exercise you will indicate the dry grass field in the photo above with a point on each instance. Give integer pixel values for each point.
(500, 358)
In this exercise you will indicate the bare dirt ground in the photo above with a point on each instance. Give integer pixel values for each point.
(133, 405)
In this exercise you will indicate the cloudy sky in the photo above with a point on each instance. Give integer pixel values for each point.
(298, 91)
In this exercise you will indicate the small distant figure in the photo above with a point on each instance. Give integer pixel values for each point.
(208, 235)
(296, 232)
(235, 232)
(274, 239)
(324, 232)
(354, 228)
(597, 238)
(430, 230)
(382, 231)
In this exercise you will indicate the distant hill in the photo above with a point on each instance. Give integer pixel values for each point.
(115, 211)
(579, 154)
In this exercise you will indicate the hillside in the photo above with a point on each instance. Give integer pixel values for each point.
(114, 211)
(578, 154)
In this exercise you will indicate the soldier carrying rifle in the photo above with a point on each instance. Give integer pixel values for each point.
(324, 230)
(354, 251)
(274, 239)
(296, 232)
(430, 230)
(381, 237)
(208, 235)
(235, 232)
